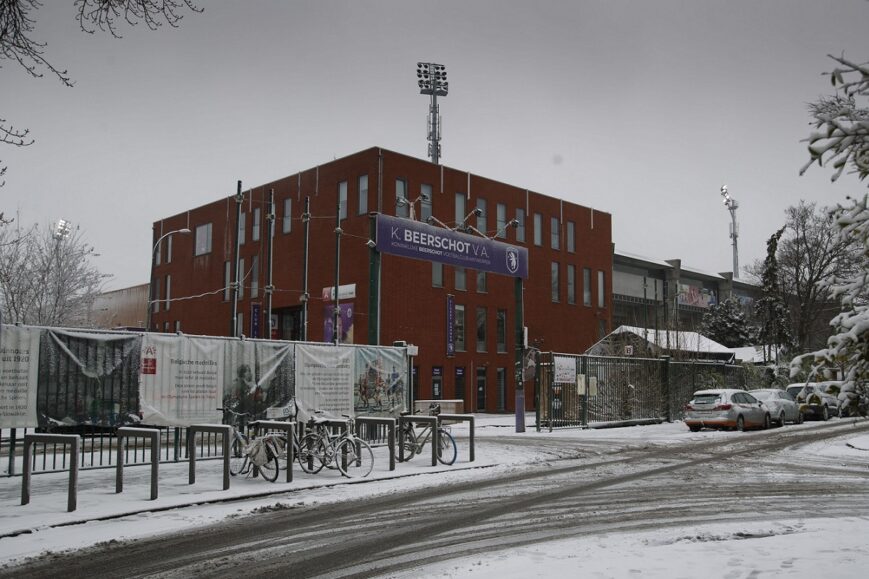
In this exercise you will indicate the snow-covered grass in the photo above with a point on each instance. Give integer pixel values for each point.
(774, 549)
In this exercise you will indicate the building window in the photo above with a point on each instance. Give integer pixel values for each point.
(177, 326)
(288, 215)
(155, 300)
(501, 385)
(601, 296)
(482, 282)
(461, 279)
(520, 228)
(481, 218)
(241, 277)
(460, 328)
(402, 206)
(571, 237)
(460, 208)
(501, 331)
(168, 291)
(425, 202)
(342, 200)
(538, 229)
(437, 274)
(555, 281)
(254, 276)
(203, 239)
(460, 382)
(481, 329)
(362, 194)
(242, 227)
(165, 327)
(555, 233)
(586, 286)
(257, 224)
(158, 254)
(169, 249)
(571, 283)
(227, 280)
(501, 220)
(239, 324)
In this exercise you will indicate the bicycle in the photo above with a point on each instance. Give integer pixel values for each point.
(245, 454)
(351, 455)
(412, 442)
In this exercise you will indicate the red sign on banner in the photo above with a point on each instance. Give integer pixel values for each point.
(149, 365)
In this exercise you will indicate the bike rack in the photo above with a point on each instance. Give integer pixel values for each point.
(125, 432)
(389, 423)
(435, 436)
(287, 427)
(192, 430)
(469, 418)
(74, 440)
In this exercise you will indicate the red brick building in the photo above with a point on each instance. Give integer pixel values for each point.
(567, 295)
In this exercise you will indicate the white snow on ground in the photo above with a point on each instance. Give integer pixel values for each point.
(792, 548)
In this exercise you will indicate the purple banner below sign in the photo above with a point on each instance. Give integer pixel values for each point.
(419, 240)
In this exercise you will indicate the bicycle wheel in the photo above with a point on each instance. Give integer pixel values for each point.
(237, 457)
(270, 469)
(446, 447)
(354, 458)
(311, 453)
(408, 443)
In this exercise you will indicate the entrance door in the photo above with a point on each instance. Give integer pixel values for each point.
(481, 389)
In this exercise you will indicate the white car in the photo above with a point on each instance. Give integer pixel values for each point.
(782, 406)
(725, 408)
(814, 400)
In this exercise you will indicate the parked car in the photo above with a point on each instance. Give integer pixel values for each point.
(725, 408)
(814, 400)
(782, 406)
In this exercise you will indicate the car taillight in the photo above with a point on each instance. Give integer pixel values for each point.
(724, 407)
(688, 407)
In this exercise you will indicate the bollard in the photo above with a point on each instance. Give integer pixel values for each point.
(226, 431)
(153, 434)
(73, 440)
(469, 418)
(289, 428)
(389, 423)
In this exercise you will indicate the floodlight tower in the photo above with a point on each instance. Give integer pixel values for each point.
(432, 80)
(732, 206)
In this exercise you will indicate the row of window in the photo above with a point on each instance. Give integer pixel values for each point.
(461, 282)
(481, 325)
(406, 206)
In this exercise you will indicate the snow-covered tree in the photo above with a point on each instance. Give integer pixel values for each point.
(726, 324)
(45, 278)
(842, 140)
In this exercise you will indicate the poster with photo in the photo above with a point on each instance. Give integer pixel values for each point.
(380, 382)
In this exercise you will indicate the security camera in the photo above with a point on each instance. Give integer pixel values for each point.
(477, 211)
(371, 244)
(724, 189)
(424, 197)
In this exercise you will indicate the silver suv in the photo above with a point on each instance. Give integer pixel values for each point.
(814, 400)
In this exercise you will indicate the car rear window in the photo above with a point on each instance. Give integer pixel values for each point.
(706, 398)
(764, 395)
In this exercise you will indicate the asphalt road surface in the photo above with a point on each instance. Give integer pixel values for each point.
(743, 477)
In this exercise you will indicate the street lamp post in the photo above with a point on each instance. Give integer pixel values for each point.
(732, 206)
(432, 80)
(151, 300)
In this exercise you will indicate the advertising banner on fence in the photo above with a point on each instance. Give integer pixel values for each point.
(182, 379)
(419, 240)
(88, 378)
(259, 376)
(324, 379)
(380, 382)
(19, 359)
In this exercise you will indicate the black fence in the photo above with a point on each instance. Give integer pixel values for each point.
(577, 390)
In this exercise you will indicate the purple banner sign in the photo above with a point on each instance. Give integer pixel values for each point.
(451, 326)
(419, 240)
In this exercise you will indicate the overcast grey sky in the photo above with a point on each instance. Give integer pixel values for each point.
(642, 109)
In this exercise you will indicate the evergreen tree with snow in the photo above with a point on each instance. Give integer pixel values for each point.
(842, 140)
(726, 324)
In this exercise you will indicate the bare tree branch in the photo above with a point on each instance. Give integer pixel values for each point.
(16, 25)
(105, 14)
